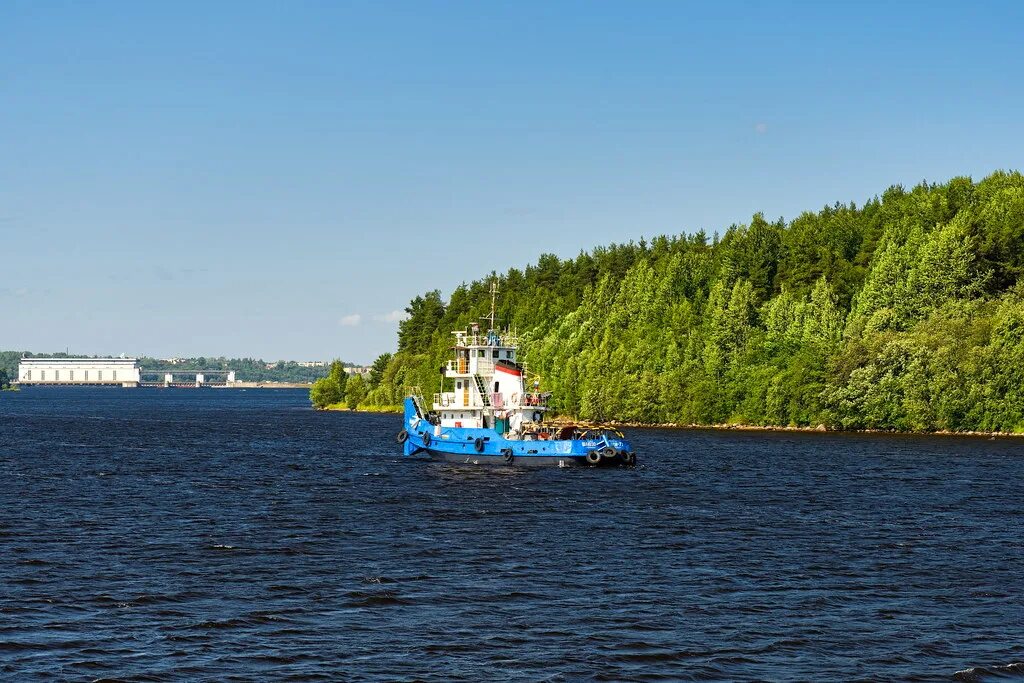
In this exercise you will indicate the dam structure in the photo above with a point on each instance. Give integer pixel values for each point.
(182, 380)
(123, 372)
(128, 373)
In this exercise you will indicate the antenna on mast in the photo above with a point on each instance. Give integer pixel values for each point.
(494, 302)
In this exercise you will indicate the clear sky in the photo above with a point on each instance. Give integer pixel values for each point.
(278, 179)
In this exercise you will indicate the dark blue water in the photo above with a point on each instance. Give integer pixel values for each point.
(215, 535)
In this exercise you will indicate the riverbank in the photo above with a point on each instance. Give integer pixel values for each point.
(341, 407)
(821, 428)
(818, 429)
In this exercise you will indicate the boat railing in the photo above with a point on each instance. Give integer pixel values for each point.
(445, 400)
(504, 339)
(416, 394)
(536, 400)
(459, 365)
(530, 400)
(462, 366)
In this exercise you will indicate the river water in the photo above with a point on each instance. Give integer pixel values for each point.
(221, 534)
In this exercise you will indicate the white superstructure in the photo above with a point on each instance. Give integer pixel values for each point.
(79, 371)
(484, 385)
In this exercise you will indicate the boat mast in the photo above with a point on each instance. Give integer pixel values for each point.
(494, 302)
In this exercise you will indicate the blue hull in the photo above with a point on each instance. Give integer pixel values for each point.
(482, 446)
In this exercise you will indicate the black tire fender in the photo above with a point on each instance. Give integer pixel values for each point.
(478, 445)
(593, 457)
(402, 437)
(506, 453)
(426, 438)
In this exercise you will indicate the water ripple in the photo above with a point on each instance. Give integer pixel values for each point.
(220, 535)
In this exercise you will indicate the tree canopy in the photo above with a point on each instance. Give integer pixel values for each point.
(355, 392)
(329, 390)
(904, 313)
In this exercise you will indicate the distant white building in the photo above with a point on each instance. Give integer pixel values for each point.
(79, 371)
(312, 364)
(357, 370)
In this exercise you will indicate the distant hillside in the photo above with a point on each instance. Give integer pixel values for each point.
(904, 313)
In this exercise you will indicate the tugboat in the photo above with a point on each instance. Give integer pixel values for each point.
(485, 414)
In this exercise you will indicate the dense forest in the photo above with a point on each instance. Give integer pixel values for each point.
(904, 313)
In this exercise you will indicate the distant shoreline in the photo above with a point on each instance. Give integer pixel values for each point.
(263, 385)
(15, 386)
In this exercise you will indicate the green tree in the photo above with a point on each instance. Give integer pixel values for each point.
(329, 390)
(378, 368)
(355, 393)
(338, 375)
(325, 392)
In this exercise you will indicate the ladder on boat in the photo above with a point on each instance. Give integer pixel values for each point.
(480, 387)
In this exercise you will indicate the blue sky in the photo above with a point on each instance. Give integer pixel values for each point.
(279, 179)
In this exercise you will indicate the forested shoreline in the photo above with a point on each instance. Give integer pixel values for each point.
(905, 313)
